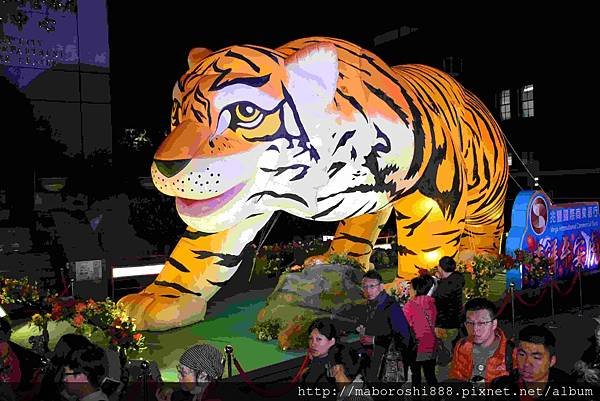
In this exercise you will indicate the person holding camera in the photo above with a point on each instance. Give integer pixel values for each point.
(332, 362)
(385, 335)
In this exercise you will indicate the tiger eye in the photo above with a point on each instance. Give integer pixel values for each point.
(246, 112)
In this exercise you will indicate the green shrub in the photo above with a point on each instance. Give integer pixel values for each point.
(343, 259)
(298, 336)
(267, 330)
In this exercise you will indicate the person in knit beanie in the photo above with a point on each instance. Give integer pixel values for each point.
(199, 367)
(203, 358)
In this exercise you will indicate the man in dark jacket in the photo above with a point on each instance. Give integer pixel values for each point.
(385, 323)
(535, 377)
(448, 297)
(587, 368)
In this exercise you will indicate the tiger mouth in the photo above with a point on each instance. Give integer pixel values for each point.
(203, 207)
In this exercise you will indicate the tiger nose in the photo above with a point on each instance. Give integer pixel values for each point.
(169, 168)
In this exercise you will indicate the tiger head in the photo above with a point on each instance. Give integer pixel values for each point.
(242, 140)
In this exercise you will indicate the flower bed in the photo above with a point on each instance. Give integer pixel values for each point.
(490, 270)
(86, 316)
(272, 260)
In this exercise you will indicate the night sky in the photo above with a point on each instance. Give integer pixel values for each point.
(149, 46)
(140, 64)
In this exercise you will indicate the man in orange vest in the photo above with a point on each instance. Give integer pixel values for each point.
(482, 356)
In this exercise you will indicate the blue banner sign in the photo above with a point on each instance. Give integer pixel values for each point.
(568, 234)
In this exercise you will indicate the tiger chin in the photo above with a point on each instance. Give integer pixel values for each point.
(324, 130)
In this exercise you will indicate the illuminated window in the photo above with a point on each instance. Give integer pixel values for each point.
(527, 101)
(504, 102)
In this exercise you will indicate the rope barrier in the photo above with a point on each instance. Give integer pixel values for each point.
(275, 393)
(571, 286)
(536, 302)
(65, 290)
(505, 303)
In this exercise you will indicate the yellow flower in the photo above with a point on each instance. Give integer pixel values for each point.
(36, 319)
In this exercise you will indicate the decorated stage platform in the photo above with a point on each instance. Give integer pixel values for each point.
(226, 323)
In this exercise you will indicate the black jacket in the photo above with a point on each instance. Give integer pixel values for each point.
(591, 355)
(449, 301)
(339, 353)
(385, 321)
(557, 380)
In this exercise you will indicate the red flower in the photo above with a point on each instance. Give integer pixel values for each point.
(520, 256)
(56, 312)
(137, 337)
(509, 262)
(91, 304)
(78, 320)
(80, 307)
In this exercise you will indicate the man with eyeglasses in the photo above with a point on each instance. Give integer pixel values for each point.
(384, 323)
(482, 356)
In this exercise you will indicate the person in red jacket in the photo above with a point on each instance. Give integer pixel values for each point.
(10, 368)
(482, 355)
(420, 312)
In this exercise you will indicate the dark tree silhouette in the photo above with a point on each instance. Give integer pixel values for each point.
(18, 145)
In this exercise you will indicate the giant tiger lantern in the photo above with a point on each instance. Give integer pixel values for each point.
(324, 130)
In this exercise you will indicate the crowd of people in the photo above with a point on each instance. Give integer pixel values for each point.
(436, 321)
(433, 336)
(79, 370)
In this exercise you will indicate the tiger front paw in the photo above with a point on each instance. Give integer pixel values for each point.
(316, 260)
(155, 310)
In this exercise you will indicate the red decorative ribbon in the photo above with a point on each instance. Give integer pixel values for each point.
(571, 286)
(275, 393)
(532, 304)
(505, 303)
(65, 290)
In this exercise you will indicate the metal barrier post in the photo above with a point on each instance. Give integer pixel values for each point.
(72, 280)
(228, 351)
(145, 367)
(552, 324)
(512, 304)
(580, 314)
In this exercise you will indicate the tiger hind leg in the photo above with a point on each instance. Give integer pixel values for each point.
(425, 233)
(481, 237)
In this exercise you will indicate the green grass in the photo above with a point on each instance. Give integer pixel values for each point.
(497, 286)
(230, 327)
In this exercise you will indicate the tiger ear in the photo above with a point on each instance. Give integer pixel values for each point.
(313, 74)
(196, 55)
